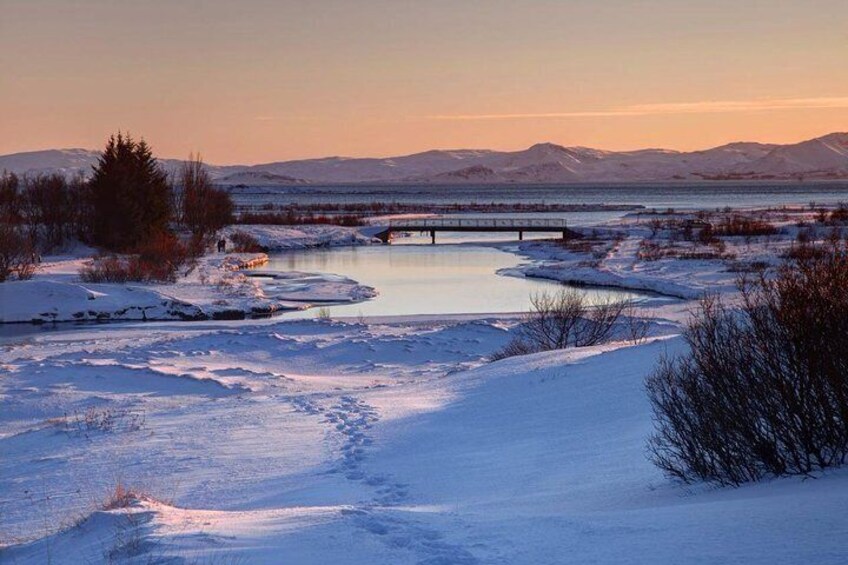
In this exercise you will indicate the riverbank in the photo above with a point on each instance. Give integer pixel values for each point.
(392, 439)
(216, 287)
(679, 254)
(666, 253)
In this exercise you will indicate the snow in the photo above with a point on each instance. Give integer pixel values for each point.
(382, 440)
(286, 238)
(686, 271)
(217, 287)
(368, 443)
(823, 157)
(49, 300)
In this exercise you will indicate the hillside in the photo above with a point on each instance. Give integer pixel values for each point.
(825, 157)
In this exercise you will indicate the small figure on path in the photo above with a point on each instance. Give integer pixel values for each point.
(222, 245)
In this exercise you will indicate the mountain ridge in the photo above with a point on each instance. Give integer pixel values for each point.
(824, 157)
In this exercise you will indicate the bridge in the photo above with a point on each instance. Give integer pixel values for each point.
(470, 224)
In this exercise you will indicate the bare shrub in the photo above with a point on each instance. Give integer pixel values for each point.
(106, 269)
(764, 389)
(563, 319)
(243, 242)
(323, 314)
(162, 257)
(121, 497)
(48, 209)
(747, 266)
(291, 217)
(650, 251)
(737, 225)
(10, 198)
(103, 420)
(700, 255)
(17, 254)
(200, 206)
(158, 260)
(638, 322)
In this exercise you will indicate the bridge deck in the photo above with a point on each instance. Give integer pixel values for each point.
(434, 225)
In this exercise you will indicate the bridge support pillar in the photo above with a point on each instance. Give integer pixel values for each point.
(521, 236)
(432, 237)
(563, 235)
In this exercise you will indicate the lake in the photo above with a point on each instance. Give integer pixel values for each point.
(706, 194)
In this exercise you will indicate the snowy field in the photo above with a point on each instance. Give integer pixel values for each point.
(384, 440)
(318, 442)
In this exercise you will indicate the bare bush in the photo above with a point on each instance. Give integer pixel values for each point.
(638, 322)
(121, 497)
(103, 420)
(200, 206)
(47, 209)
(17, 254)
(158, 260)
(292, 217)
(563, 319)
(243, 242)
(763, 389)
(10, 201)
(737, 225)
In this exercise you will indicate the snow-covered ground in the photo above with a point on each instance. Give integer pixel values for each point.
(319, 442)
(648, 252)
(385, 440)
(285, 238)
(216, 288)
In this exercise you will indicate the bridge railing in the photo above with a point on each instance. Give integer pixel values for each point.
(517, 223)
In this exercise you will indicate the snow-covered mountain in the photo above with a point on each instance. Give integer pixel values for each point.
(63, 161)
(821, 158)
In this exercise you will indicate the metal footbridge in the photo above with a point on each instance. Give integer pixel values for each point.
(471, 224)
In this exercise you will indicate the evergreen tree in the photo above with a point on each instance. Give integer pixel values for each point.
(130, 195)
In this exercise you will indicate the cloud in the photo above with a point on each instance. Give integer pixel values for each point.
(705, 107)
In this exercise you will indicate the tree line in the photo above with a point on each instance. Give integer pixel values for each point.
(128, 206)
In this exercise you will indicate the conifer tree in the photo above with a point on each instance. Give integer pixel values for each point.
(130, 195)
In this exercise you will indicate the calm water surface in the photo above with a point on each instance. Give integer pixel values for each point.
(423, 279)
(708, 195)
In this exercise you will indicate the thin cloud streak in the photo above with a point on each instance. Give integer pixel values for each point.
(706, 107)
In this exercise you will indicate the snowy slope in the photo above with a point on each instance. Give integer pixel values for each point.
(824, 157)
(70, 162)
(318, 442)
(828, 153)
(62, 161)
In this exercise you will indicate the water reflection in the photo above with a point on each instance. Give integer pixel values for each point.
(424, 279)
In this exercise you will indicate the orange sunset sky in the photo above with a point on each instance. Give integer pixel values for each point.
(261, 80)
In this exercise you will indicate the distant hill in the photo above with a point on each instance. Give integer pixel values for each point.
(821, 158)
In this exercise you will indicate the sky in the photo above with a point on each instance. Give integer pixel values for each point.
(261, 80)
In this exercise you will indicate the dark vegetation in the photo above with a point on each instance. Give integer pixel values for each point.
(763, 390)
(130, 196)
(159, 259)
(355, 213)
(384, 208)
(293, 217)
(563, 319)
(148, 227)
(17, 256)
(243, 242)
(199, 206)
